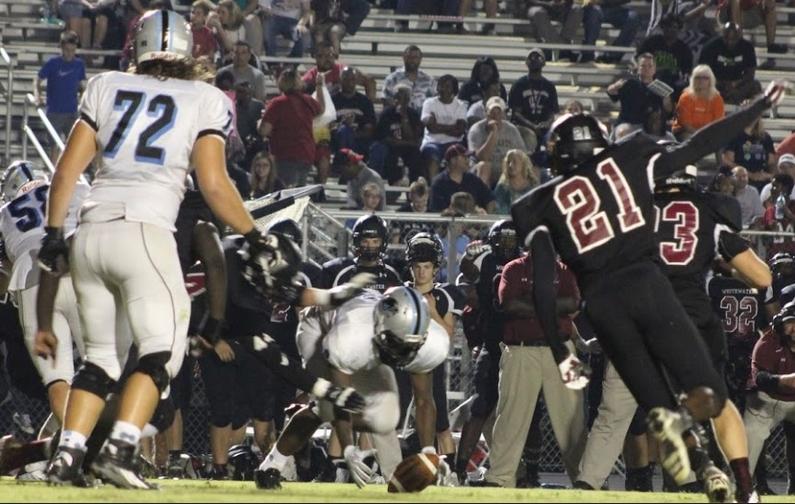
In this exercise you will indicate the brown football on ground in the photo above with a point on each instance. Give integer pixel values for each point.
(415, 473)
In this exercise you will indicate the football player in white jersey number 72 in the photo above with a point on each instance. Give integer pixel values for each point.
(358, 345)
(24, 191)
(145, 130)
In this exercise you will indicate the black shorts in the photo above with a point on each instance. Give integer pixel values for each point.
(486, 381)
(698, 306)
(239, 390)
(644, 329)
(405, 393)
(440, 397)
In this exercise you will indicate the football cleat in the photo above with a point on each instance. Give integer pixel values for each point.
(667, 427)
(117, 464)
(269, 479)
(717, 485)
(66, 467)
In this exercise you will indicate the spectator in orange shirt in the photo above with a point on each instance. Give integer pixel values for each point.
(699, 105)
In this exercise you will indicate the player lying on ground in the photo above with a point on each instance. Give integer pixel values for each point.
(598, 215)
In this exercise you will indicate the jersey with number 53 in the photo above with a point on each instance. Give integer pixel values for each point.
(693, 229)
(146, 128)
(22, 226)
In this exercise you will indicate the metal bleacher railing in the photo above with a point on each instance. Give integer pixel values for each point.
(8, 94)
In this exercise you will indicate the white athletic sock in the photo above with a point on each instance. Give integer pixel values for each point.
(275, 459)
(149, 431)
(125, 432)
(72, 439)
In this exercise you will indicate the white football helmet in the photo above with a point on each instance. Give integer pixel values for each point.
(401, 325)
(18, 174)
(162, 34)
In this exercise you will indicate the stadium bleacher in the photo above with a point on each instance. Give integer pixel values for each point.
(377, 50)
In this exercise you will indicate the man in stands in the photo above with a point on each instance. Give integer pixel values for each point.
(733, 60)
(533, 99)
(422, 85)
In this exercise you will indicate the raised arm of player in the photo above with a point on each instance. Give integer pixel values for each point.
(717, 134)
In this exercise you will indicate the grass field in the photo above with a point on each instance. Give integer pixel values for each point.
(204, 491)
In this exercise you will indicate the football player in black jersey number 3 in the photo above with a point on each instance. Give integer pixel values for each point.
(598, 214)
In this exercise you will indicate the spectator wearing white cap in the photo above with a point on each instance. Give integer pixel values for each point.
(491, 138)
(786, 164)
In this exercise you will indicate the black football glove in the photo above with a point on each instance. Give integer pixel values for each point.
(54, 252)
(347, 399)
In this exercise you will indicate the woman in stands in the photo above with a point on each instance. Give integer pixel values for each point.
(518, 177)
(263, 175)
(699, 105)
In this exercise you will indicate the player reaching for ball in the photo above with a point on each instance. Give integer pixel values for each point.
(359, 344)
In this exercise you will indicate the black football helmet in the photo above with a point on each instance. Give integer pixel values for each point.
(425, 247)
(288, 228)
(243, 461)
(573, 139)
(504, 240)
(369, 226)
(782, 264)
(786, 314)
(686, 178)
(273, 272)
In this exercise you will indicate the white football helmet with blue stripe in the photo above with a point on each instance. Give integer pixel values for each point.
(18, 174)
(162, 34)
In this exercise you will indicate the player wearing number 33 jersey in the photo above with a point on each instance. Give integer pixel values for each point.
(144, 130)
(598, 214)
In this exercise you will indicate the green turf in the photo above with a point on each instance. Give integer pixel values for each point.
(203, 491)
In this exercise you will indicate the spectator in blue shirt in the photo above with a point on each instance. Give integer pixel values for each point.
(66, 78)
(457, 178)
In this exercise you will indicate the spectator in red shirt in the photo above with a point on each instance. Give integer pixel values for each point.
(287, 122)
(326, 64)
(528, 368)
(204, 42)
(773, 374)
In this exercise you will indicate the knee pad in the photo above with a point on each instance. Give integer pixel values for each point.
(383, 412)
(154, 365)
(164, 415)
(93, 379)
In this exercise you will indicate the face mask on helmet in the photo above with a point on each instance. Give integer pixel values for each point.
(18, 175)
(401, 325)
(425, 247)
(369, 238)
